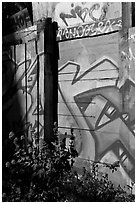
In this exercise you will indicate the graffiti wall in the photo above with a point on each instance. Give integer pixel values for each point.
(22, 87)
(96, 85)
(80, 19)
(97, 103)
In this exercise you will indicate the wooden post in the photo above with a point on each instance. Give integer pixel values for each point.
(124, 44)
(126, 14)
(50, 78)
(55, 72)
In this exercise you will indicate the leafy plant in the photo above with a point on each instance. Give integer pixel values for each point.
(47, 174)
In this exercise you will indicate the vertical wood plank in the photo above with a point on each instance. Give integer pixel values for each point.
(40, 46)
(26, 83)
(37, 62)
(126, 14)
(48, 80)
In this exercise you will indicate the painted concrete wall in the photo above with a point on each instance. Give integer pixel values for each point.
(97, 99)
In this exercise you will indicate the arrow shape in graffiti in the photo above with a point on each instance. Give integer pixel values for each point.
(99, 79)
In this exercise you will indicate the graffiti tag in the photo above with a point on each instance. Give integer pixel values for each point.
(91, 29)
(96, 12)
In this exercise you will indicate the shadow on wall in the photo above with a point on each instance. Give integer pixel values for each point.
(11, 107)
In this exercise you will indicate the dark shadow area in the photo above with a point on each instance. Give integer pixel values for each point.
(9, 9)
(133, 14)
(11, 111)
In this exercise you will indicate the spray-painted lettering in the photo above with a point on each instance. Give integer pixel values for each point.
(74, 13)
(89, 29)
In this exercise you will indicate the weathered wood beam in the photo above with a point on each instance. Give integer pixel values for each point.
(50, 78)
(126, 14)
(19, 37)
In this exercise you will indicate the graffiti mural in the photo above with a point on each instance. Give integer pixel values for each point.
(95, 96)
(90, 29)
(79, 19)
(97, 104)
(73, 13)
(23, 72)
